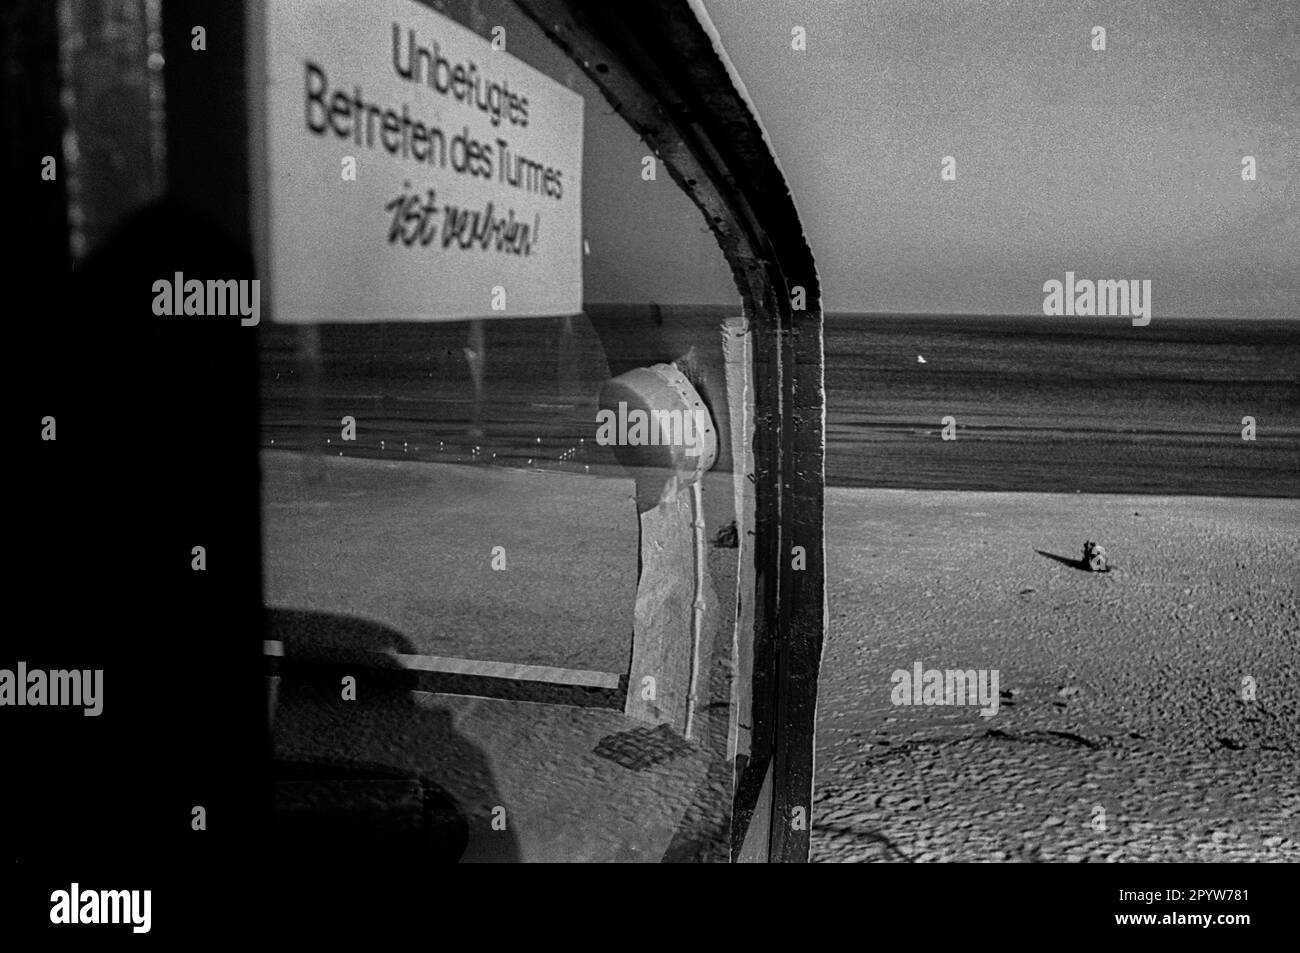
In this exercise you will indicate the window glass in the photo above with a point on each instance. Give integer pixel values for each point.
(543, 640)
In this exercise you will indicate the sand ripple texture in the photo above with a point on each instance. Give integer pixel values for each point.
(1122, 732)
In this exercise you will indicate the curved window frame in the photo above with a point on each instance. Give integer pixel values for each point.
(662, 67)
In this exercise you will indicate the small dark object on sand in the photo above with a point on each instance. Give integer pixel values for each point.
(727, 538)
(1094, 557)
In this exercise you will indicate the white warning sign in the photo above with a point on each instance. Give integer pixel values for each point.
(410, 171)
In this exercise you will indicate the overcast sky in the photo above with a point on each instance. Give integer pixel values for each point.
(1117, 164)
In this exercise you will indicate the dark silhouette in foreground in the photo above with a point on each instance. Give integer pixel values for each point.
(371, 802)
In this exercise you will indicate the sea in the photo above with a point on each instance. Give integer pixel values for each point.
(1091, 405)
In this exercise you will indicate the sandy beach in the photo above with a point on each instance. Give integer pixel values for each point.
(1121, 734)
(1121, 731)
(409, 547)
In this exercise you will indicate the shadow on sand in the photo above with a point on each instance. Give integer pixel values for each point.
(1078, 564)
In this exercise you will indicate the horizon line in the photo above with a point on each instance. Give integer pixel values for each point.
(948, 314)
